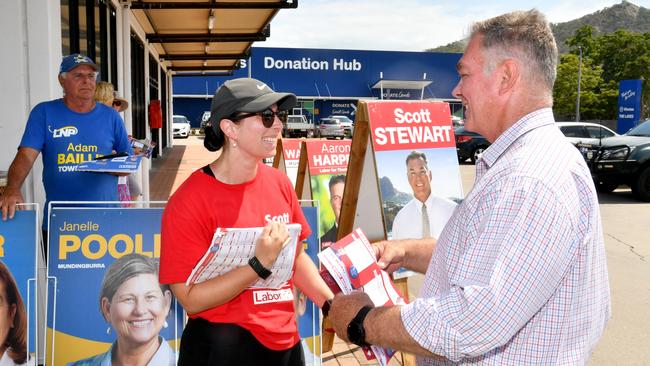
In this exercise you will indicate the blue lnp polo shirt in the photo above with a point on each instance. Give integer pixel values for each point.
(65, 139)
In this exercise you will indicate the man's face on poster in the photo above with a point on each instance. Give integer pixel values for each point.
(336, 199)
(419, 177)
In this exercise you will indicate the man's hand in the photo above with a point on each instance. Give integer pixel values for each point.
(390, 255)
(8, 201)
(344, 308)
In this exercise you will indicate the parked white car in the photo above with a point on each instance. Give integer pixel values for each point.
(584, 132)
(181, 126)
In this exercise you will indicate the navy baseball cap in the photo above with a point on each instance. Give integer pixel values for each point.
(71, 61)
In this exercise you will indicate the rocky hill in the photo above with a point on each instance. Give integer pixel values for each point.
(625, 15)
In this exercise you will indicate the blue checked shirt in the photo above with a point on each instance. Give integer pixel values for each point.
(518, 276)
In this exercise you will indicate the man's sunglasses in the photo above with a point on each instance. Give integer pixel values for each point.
(268, 117)
(117, 103)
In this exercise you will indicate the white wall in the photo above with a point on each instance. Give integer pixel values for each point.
(31, 55)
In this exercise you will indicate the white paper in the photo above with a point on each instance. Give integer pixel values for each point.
(233, 247)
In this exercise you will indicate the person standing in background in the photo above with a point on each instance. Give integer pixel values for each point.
(127, 186)
(68, 132)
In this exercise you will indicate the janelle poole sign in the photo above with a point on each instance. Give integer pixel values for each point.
(85, 245)
(18, 243)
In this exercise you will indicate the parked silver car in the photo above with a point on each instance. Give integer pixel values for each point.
(330, 127)
(346, 123)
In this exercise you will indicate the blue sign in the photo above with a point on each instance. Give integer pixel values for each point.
(308, 313)
(326, 73)
(83, 245)
(328, 108)
(18, 240)
(629, 104)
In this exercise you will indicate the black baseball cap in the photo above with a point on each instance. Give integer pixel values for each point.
(246, 95)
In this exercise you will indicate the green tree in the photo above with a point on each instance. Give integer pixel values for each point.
(607, 60)
(593, 91)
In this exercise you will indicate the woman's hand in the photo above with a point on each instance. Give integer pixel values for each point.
(274, 237)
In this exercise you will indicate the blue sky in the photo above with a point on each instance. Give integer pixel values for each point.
(404, 25)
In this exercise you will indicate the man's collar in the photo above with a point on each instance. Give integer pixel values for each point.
(529, 122)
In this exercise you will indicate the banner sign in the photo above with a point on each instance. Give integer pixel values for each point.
(101, 286)
(411, 125)
(291, 153)
(327, 161)
(397, 129)
(119, 164)
(309, 317)
(328, 157)
(629, 104)
(18, 243)
(328, 108)
(330, 73)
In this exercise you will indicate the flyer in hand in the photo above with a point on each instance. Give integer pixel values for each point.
(352, 264)
(233, 247)
(142, 147)
(117, 164)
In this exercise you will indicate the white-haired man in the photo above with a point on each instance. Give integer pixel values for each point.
(67, 132)
(518, 276)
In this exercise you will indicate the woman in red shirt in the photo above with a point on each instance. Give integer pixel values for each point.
(232, 323)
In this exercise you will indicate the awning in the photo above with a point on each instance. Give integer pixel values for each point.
(206, 36)
(401, 84)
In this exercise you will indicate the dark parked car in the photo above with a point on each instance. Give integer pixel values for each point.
(469, 145)
(622, 159)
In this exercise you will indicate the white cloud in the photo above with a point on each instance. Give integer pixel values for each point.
(406, 25)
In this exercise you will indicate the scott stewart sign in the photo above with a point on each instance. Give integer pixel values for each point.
(410, 125)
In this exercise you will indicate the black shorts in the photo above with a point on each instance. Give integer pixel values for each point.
(210, 344)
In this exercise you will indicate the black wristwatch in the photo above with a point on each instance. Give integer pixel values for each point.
(356, 331)
(259, 268)
(326, 307)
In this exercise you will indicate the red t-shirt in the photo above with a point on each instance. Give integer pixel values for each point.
(193, 213)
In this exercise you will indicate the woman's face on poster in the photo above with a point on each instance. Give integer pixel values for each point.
(7, 314)
(138, 309)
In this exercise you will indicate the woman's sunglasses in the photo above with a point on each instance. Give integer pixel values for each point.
(268, 117)
(117, 103)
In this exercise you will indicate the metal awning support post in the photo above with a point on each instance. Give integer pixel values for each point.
(424, 77)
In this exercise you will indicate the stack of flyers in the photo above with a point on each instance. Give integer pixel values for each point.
(116, 163)
(352, 264)
(142, 147)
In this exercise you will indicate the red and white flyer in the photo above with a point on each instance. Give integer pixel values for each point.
(352, 264)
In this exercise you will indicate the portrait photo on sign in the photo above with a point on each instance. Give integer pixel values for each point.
(428, 175)
(107, 302)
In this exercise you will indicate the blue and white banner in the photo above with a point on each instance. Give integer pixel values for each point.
(309, 317)
(118, 164)
(629, 104)
(18, 248)
(102, 289)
